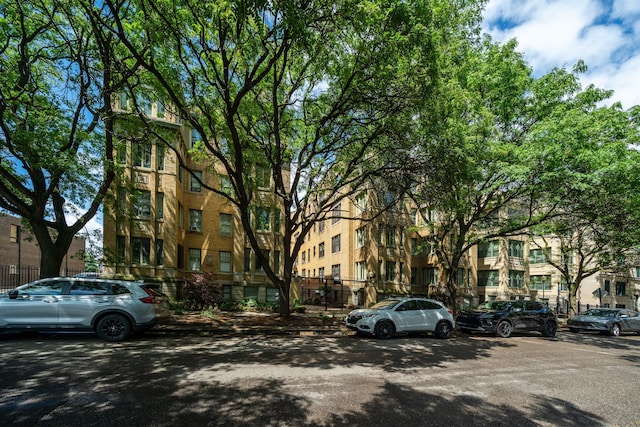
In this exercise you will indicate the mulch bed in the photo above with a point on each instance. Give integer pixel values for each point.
(252, 319)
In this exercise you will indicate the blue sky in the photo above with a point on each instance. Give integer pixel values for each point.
(558, 33)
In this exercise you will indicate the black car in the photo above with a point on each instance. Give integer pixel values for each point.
(504, 317)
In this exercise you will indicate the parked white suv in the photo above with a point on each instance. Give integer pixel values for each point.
(400, 315)
(112, 308)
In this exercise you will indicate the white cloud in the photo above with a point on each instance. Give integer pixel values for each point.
(558, 33)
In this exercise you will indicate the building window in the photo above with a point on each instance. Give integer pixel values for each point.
(361, 203)
(430, 276)
(540, 282)
(159, 252)
(142, 155)
(276, 262)
(225, 262)
(180, 256)
(277, 221)
(414, 216)
(251, 293)
(361, 270)
(273, 295)
(225, 185)
(390, 271)
(335, 271)
(488, 278)
(335, 244)
(195, 138)
(390, 236)
(516, 279)
(195, 259)
(304, 257)
(539, 256)
(226, 224)
(489, 249)
(180, 215)
(195, 181)
(414, 246)
(414, 275)
(337, 213)
(460, 278)
(321, 250)
(516, 248)
(263, 219)
(160, 108)
(361, 234)
(621, 288)
(159, 205)
(380, 234)
(142, 204)
(140, 250)
(266, 254)
(263, 177)
(180, 174)
(247, 259)
(195, 220)
(321, 226)
(120, 249)
(160, 154)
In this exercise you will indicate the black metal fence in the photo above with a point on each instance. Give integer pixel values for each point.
(13, 275)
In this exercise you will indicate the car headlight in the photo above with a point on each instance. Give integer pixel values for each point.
(364, 316)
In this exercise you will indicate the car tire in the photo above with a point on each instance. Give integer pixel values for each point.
(504, 329)
(385, 330)
(614, 330)
(113, 327)
(443, 330)
(549, 329)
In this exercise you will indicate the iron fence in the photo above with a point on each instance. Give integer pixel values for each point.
(12, 275)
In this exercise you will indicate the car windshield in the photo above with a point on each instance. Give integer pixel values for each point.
(601, 313)
(387, 304)
(494, 305)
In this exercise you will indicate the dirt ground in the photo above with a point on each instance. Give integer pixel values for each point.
(311, 319)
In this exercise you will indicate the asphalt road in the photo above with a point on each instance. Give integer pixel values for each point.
(174, 380)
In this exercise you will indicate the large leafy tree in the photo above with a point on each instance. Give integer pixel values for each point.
(323, 92)
(504, 166)
(56, 127)
(598, 218)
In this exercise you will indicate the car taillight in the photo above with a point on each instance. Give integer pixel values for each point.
(150, 299)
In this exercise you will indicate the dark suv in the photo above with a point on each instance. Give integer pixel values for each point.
(504, 317)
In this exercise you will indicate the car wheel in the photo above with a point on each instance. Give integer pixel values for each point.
(385, 330)
(113, 327)
(549, 329)
(614, 330)
(443, 330)
(504, 329)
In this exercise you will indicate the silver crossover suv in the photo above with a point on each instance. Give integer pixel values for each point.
(111, 308)
(402, 315)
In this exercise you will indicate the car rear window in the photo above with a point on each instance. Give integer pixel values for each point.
(118, 289)
(89, 288)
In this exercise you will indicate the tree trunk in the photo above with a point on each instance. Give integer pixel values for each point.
(284, 298)
(51, 262)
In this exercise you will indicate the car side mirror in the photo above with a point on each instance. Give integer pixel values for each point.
(13, 294)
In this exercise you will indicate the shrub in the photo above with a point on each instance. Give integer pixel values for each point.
(202, 292)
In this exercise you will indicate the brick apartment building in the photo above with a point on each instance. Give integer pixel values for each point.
(20, 254)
